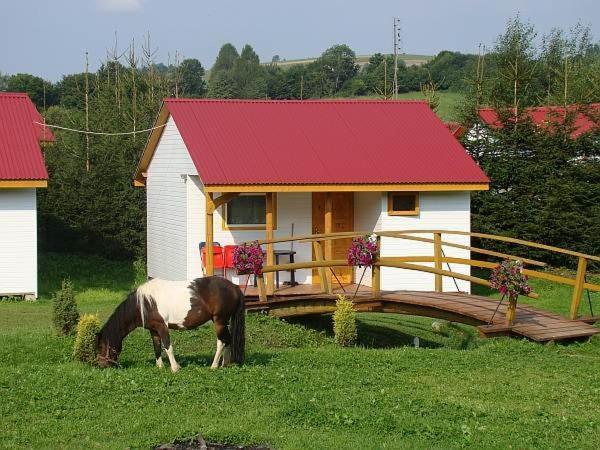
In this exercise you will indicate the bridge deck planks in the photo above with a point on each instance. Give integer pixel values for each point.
(530, 322)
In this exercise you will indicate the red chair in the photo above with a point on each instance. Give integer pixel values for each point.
(218, 258)
(228, 251)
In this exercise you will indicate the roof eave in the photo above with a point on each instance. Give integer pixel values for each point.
(356, 187)
(139, 178)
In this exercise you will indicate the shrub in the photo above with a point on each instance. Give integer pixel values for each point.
(64, 309)
(344, 322)
(85, 341)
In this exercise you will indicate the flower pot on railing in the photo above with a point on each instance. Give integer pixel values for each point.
(508, 278)
(248, 259)
(363, 252)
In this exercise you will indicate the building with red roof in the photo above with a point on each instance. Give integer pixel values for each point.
(231, 171)
(586, 118)
(22, 171)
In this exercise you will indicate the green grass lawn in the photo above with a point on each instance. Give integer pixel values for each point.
(297, 390)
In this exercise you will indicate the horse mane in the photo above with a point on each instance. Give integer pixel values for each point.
(122, 320)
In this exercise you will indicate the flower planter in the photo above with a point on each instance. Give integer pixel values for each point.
(509, 280)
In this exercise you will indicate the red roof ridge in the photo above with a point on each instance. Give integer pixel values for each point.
(314, 101)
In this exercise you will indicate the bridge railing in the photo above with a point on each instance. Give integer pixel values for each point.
(438, 258)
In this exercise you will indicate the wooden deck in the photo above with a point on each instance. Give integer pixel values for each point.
(530, 322)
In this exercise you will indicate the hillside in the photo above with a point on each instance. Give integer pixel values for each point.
(409, 60)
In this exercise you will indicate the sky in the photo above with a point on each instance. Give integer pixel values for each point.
(49, 38)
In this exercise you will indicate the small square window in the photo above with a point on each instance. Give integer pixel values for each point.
(403, 203)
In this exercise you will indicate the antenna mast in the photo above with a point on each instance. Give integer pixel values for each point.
(397, 31)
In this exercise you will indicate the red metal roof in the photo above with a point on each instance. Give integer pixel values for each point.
(320, 142)
(456, 129)
(20, 154)
(586, 117)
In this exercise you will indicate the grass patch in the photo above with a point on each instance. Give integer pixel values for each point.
(298, 389)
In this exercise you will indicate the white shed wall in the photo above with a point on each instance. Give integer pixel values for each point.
(438, 210)
(166, 194)
(18, 242)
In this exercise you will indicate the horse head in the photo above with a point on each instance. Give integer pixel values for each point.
(107, 350)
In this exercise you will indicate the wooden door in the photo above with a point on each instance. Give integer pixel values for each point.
(343, 220)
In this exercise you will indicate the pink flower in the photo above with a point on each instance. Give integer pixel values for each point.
(248, 258)
(508, 279)
(363, 251)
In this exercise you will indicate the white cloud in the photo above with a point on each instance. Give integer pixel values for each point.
(119, 5)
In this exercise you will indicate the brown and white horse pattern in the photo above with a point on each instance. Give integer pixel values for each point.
(159, 305)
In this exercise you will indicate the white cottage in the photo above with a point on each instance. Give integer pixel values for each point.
(277, 168)
(22, 171)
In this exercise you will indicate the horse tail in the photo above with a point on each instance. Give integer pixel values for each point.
(238, 330)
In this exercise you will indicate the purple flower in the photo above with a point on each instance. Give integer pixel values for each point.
(248, 258)
(363, 251)
(508, 278)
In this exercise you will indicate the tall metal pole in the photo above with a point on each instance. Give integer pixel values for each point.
(396, 50)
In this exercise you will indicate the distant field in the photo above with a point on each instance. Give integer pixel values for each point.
(449, 102)
(409, 59)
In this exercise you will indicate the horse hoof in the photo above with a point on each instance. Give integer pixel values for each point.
(176, 368)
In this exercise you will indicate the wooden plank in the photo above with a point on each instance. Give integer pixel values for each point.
(376, 273)
(401, 235)
(505, 239)
(578, 287)
(209, 224)
(270, 280)
(262, 290)
(224, 198)
(328, 217)
(318, 249)
(23, 184)
(437, 260)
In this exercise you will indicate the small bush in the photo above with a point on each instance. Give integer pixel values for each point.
(139, 272)
(344, 322)
(64, 309)
(85, 341)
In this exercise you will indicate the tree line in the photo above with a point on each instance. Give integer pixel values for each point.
(91, 206)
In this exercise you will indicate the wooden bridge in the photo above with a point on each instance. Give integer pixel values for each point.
(483, 312)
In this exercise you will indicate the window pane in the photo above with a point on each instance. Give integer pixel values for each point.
(404, 202)
(247, 210)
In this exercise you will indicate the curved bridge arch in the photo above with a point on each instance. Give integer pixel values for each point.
(457, 307)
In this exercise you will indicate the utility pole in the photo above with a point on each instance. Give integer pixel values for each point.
(87, 114)
(397, 32)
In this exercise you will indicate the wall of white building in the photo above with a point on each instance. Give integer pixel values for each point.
(438, 210)
(166, 196)
(18, 242)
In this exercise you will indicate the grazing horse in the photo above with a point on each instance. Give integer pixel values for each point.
(158, 305)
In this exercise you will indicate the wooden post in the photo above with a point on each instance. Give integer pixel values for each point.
(376, 273)
(578, 287)
(209, 258)
(262, 292)
(318, 247)
(270, 255)
(328, 243)
(437, 258)
(511, 311)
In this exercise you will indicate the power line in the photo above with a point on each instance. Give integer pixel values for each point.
(100, 133)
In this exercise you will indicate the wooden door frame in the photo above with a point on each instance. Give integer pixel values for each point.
(328, 222)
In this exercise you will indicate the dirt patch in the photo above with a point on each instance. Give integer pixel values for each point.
(198, 443)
